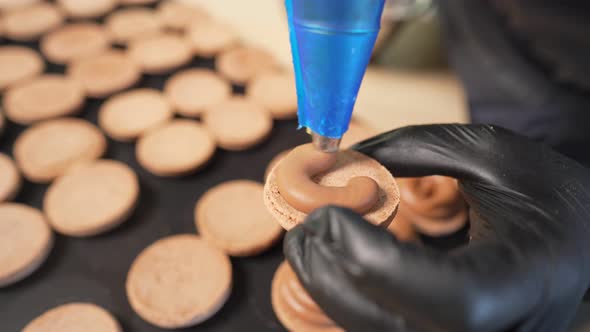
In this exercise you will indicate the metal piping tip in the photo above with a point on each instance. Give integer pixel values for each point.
(325, 144)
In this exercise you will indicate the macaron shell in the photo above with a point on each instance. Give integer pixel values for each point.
(238, 124)
(128, 115)
(49, 149)
(13, 4)
(74, 317)
(18, 64)
(179, 281)
(125, 25)
(192, 91)
(349, 164)
(161, 53)
(232, 216)
(28, 23)
(177, 148)
(209, 38)
(138, 2)
(241, 64)
(178, 16)
(81, 9)
(42, 98)
(276, 92)
(10, 178)
(26, 241)
(105, 74)
(92, 198)
(74, 41)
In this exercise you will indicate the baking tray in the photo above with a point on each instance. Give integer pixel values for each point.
(94, 269)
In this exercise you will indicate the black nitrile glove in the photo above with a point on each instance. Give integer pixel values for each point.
(526, 268)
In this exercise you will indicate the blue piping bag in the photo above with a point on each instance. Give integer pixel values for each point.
(331, 45)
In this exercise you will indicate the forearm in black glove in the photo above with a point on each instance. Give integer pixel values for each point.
(526, 269)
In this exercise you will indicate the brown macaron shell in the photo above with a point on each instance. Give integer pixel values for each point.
(349, 164)
(128, 115)
(177, 16)
(10, 179)
(209, 38)
(28, 23)
(177, 148)
(138, 2)
(241, 64)
(92, 198)
(232, 216)
(238, 123)
(42, 98)
(49, 149)
(26, 241)
(276, 92)
(127, 24)
(161, 53)
(105, 74)
(18, 64)
(192, 91)
(179, 281)
(294, 178)
(6, 5)
(74, 41)
(82, 9)
(75, 317)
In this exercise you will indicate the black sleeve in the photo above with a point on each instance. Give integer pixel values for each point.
(525, 65)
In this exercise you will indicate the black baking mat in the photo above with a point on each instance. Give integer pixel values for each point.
(94, 269)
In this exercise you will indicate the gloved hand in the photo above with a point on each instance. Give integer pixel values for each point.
(525, 269)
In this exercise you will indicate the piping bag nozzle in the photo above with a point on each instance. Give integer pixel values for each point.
(331, 45)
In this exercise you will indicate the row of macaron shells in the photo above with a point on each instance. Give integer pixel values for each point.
(233, 122)
(92, 147)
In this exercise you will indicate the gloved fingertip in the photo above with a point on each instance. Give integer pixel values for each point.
(325, 224)
(317, 224)
(293, 248)
(363, 145)
(292, 244)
